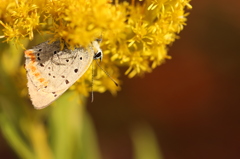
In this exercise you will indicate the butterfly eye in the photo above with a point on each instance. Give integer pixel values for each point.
(98, 55)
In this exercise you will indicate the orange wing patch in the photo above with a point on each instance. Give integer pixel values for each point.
(36, 74)
(41, 80)
(30, 54)
(32, 68)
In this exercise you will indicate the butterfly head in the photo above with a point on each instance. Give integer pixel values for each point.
(97, 50)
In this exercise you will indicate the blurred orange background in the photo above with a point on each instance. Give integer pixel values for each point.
(192, 102)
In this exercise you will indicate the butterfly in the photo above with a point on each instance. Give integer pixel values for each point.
(51, 71)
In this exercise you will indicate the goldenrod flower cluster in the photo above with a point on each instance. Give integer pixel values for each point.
(135, 34)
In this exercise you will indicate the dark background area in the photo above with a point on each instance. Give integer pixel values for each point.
(192, 101)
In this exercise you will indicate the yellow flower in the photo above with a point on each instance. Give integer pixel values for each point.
(135, 34)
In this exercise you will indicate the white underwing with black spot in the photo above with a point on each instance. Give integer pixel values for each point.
(51, 71)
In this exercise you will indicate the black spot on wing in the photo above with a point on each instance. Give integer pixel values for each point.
(67, 81)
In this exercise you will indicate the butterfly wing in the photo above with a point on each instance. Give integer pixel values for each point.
(41, 99)
(51, 72)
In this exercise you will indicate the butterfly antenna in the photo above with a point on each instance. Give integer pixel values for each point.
(92, 83)
(107, 73)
